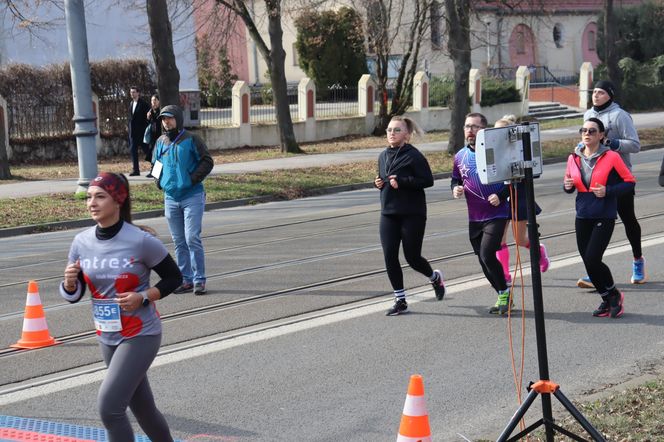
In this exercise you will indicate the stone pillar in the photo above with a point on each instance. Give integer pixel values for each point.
(420, 91)
(585, 85)
(421, 98)
(241, 111)
(475, 89)
(306, 107)
(523, 86)
(366, 100)
(95, 112)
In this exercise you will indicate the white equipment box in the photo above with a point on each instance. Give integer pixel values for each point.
(499, 153)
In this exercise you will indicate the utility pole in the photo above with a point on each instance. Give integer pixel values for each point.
(85, 128)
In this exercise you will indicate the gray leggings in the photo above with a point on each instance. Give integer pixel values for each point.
(126, 384)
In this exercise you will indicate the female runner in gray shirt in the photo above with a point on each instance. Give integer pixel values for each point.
(113, 260)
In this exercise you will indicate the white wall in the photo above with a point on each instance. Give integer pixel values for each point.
(113, 32)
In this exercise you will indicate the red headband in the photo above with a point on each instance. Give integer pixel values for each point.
(112, 184)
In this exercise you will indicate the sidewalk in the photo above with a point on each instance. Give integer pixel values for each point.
(34, 188)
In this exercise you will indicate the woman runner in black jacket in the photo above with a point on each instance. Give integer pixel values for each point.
(403, 174)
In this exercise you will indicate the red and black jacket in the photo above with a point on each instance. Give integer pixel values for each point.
(610, 171)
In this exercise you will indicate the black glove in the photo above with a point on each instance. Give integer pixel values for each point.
(612, 144)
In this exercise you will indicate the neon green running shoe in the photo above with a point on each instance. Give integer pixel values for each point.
(502, 305)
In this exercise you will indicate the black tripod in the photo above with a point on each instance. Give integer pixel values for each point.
(544, 386)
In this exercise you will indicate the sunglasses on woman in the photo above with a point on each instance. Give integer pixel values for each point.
(590, 130)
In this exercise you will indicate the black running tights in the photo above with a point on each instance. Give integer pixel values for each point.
(632, 227)
(409, 231)
(126, 384)
(592, 239)
(486, 237)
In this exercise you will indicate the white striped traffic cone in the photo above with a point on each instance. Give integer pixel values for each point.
(35, 331)
(415, 420)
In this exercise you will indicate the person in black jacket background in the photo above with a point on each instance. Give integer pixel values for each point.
(138, 122)
(403, 174)
(155, 127)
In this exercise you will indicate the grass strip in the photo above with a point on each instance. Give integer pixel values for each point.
(280, 184)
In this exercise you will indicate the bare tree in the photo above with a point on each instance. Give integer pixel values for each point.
(5, 172)
(23, 17)
(161, 35)
(275, 58)
(394, 27)
(458, 33)
(610, 49)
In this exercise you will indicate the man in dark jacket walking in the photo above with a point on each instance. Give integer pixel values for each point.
(138, 121)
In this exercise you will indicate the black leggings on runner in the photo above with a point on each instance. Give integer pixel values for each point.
(486, 237)
(126, 384)
(408, 230)
(632, 227)
(592, 239)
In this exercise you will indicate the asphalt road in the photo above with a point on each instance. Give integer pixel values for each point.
(291, 343)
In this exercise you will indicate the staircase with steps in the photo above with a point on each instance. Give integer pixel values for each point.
(552, 111)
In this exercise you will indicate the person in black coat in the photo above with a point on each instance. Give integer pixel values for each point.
(155, 126)
(138, 122)
(403, 174)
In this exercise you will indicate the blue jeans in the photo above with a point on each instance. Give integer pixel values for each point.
(185, 221)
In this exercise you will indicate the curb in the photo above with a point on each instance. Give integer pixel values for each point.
(74, 224)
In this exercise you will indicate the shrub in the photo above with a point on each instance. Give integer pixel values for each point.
(441, 90)
(330, 47)
(496, 91)
(40, 98)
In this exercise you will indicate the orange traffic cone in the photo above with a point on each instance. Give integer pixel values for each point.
(415, 420)
(35, 331)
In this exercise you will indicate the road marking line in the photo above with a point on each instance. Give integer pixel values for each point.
(46, 385)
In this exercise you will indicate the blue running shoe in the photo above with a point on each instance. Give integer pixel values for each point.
(585, 283)
(639, 271)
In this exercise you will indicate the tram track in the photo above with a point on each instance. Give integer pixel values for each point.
(298, 261)
(247, 300)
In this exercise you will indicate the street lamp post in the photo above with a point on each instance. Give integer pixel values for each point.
(85, 129)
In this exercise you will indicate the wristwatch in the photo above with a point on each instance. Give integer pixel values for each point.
(146, 300)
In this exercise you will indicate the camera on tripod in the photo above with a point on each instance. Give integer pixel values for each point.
(499, 153)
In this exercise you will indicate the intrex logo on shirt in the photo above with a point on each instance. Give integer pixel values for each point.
(107, 263)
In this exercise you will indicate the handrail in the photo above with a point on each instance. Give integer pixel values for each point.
(538, 74)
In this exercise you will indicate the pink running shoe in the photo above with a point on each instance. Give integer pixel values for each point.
(544, 259)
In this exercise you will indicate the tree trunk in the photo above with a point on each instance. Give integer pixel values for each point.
(459, 46)
(383, 118)
(168, 76)
(610, 51)
(277, 62)
(5, 173)
(275, 59)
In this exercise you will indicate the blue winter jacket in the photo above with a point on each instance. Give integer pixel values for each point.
(185, 160)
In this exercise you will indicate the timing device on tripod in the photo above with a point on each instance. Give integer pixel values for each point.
(513, 153)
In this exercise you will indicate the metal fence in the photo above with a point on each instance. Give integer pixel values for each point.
(333, 102)
(217, 111)
(30, 118)
(113, 112)
(336, 101)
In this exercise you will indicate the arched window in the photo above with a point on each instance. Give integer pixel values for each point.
(592, 41)
(520, 42)
(558, 35)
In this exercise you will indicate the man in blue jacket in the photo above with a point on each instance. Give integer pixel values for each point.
(181, 162)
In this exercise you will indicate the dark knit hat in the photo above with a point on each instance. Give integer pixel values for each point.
(607, 86)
